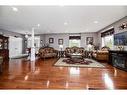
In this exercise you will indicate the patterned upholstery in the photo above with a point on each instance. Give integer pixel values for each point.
(70, 50)
(47, 52)
(101, 54)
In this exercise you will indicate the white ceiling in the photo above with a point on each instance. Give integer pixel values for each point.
(59, 19)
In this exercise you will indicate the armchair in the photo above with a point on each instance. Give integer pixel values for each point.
(101, 55)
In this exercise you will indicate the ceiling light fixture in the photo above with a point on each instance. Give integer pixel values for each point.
(95, 22)
(65, 23)
(15, 9)
(38, 25)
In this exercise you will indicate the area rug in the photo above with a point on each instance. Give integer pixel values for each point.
(92, 63)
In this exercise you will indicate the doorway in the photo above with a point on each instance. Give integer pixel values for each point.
(15, 46)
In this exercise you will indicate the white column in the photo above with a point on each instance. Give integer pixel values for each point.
(32, 46)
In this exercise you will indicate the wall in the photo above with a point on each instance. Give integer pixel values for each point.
(83, 38)
(115, 25)
(65, 36)
(10, 33)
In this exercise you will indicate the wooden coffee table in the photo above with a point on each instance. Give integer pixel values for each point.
(76, 57)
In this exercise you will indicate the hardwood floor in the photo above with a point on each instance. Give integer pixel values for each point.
(23, 74)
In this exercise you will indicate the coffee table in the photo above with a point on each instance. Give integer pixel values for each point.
(76, 58)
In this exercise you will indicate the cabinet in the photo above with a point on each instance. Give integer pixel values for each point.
(4, 52)
(118, 59)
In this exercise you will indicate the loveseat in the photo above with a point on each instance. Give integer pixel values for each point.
(71, 50)
(47, 52)
(101, 55)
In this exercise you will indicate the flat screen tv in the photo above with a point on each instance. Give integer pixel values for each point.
(120, 39)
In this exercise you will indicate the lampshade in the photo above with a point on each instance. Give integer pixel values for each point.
(26, 36)
(89, 47)
(60, 46)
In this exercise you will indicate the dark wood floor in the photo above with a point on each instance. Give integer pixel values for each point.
(23, 74)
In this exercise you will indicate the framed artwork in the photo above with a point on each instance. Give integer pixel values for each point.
(89, 40)
(60, 41)
(51, 40)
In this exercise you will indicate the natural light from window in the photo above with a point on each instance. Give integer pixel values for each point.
(108, 41)
(74, 42)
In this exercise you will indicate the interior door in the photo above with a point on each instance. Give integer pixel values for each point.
(15, 46)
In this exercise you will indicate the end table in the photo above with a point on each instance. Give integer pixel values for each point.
(61, 53)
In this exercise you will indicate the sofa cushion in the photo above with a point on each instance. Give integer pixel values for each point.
(70, 50)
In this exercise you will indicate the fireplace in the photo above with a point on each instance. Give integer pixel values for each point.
(118, 59)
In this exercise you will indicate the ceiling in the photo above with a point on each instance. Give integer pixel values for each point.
(59, 19)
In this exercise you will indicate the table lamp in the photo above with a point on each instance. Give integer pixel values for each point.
(61, 47)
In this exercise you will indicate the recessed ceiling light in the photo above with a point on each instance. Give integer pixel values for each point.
(15, 9)
(95, 22)
(38, 25)
(65, 23)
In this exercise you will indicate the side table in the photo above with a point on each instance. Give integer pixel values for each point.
(61, 53)
(89, 54)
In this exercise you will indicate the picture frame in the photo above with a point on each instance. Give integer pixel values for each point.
(51, 40)
(89, 40)
(60, 41)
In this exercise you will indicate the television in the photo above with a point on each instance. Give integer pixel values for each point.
(120, 38)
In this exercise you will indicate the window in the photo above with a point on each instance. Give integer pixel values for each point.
(107, 41)
(74, 41)
(107, 38)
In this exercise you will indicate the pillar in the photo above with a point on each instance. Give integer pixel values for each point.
(32, 46)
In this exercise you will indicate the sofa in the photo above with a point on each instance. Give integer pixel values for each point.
(47, 52)
(71, 50)
(102, 54)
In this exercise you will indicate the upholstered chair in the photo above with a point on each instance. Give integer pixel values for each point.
(101, 55)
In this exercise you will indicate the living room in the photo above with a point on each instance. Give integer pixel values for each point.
(57, 49)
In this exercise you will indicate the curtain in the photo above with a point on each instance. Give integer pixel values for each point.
(74, 37)
(108, 32)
